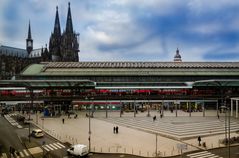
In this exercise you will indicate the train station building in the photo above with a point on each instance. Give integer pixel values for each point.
(188, 86)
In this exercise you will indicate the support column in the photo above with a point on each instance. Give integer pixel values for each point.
(106, 106)
(236, 108)
(190, 108)
(231, 107)
(162, 107)
(217, 108)
(203, 108)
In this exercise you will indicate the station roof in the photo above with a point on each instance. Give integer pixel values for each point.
(133, 69)
(142, 65)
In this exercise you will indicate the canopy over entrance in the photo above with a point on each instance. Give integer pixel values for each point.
(41, 84)
(217, 83)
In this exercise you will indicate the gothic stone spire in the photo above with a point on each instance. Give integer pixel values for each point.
(69, 26)
(57, 26)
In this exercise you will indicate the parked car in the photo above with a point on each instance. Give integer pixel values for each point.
(37, 133)
(78, 150)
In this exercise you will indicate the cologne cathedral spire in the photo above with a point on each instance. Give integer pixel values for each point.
(55, 40)
(57, 26)
(69, 40)
(64, 46)
(69, 26)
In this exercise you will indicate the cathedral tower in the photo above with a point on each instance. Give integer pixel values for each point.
(29, 41)
(69, 41)
(55, 40)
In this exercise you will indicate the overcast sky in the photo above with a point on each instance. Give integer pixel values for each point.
(131, 30)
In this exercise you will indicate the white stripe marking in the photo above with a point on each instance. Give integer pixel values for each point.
(49, 147)
(46, 148)
(197, 153)
(15, 155)
(25, 151)
(53, 146)
(60, 144)
(21, 154)
(207, 156)
(203, 154)
(57, 145)
(214, 156)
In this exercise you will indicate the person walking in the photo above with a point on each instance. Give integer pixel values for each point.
(63, 120)
(154, 118)
(199, 140)
(114, 129)
(117, 129)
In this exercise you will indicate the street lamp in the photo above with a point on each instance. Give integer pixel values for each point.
(89, 116)
(227, 129)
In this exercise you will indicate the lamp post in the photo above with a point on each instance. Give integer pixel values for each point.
(89, 116)
(30, 106)
(148, 107)
(156, 148)
(227, 128)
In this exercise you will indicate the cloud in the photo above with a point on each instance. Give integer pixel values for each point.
(130, 29)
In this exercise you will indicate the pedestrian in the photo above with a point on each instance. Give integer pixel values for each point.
(63, 120)
(114, 129)
(154, 118)
(199, 140)
(117, 129)
(75, 116)
(161, 115)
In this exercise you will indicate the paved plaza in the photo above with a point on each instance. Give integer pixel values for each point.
(139, 135)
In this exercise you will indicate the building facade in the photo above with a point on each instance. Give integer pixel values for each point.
(62, 47)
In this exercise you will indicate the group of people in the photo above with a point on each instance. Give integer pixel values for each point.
(116, 129)
(154, 118)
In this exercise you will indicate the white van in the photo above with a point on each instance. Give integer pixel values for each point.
(37, 133)
(78, 150)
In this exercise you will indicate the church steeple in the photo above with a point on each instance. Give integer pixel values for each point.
(55, 40)
(57, 26)
(69, 26)
(29, 31)
(29, 41)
